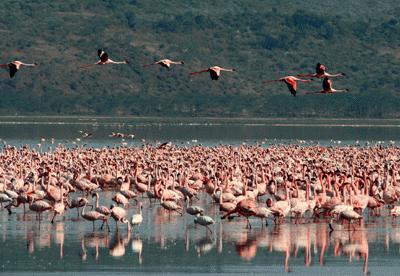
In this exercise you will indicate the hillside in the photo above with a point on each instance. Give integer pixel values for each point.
(262, 39)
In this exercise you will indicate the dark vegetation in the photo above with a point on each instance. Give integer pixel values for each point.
(262, 39)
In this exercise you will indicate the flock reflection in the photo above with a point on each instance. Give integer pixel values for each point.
(310, 244)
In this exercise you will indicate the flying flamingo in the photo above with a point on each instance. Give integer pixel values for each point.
(15, 65)
(321, 73)
(166, 63)
(290, 81)
(215, 71)
(104, 59)
(327, 88)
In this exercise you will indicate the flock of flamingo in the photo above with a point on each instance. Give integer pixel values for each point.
(214, 71)
(292, 184)
(275, 183)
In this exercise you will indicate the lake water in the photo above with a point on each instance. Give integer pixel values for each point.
(174, 245)
(182, 131)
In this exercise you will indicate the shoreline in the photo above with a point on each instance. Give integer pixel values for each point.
(198, 118)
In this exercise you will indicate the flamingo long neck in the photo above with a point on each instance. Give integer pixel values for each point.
(220, 197)
(28, 64)
(323, 187)
(255, 178)
(226, 186)
(215, 185)
(328, 181)
(116, 62)
(350, 199)
(148, 183)
(366, 186)
(162, 196)
(244, 191)
(83, 210)
(307, 192)
(62, 193)
(297, 189)
(97, 200)
(335, 188)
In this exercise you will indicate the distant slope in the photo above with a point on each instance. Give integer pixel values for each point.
(262, 39)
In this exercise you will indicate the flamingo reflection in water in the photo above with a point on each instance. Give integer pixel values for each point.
(94, 240)
(118, 244)
(352, 243)
(137, 248)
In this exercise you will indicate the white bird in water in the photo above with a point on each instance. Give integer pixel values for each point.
(119, 215)
(116, 135)
(204, 220)
(85, 134)
(137, 219)
(193, 210)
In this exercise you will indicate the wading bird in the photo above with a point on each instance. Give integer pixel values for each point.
(119, 215)
(204, 220)
(94, 215)
(137, 219)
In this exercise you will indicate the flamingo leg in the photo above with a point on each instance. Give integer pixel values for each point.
(248, 223)
(52, 220)
(108, 226)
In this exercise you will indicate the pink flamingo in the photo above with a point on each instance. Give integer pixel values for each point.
(321, 73)
(166, 63)
(215, 71)
(15, 65)
(327, 88)
(290, 81)
(104, 59)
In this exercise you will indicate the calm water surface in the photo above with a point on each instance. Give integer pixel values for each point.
(29, 130)
(175, 245)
